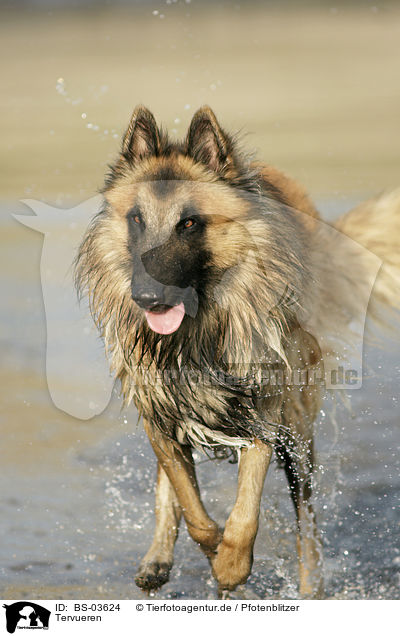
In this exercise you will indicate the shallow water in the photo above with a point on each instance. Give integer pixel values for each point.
(76, 497)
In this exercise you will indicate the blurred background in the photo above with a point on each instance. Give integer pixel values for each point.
(314, 89)
(315, 86)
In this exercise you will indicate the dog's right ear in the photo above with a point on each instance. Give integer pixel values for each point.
(142, 138)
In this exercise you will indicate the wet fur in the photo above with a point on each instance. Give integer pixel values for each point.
(268, 295)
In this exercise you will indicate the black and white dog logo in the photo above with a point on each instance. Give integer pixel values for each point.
(26, 615)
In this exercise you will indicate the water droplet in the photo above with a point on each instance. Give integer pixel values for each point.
(60, 86)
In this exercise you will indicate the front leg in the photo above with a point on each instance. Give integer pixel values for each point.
(234, 559)
(157, 563)
(177, 462)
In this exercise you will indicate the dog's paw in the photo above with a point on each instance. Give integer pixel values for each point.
(231, 566)
(209, 546)
(312, 590)
(152, 575)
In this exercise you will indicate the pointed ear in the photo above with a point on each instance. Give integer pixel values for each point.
(207, 142)
(142, 138)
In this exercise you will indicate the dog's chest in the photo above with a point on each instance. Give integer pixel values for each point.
(192, 407)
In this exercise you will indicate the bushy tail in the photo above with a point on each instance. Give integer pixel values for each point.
(357, 274)
(375, 224)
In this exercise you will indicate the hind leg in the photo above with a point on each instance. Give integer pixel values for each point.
(157, 563)
(298, 464)
(299, 410)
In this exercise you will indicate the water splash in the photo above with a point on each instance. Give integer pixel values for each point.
(61, 88)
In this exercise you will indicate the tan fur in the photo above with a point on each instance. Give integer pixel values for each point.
(232, 563)
(157, 562)
(375, 224)
(295, 195)
(177, 463)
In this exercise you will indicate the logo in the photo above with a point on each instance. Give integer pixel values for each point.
(74, 350)
(26, 615)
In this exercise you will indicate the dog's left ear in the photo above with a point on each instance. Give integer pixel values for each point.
(142, 138)
(207, 143)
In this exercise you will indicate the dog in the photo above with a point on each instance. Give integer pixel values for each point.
(210, 276)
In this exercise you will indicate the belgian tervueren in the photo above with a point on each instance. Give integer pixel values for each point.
(213, 282)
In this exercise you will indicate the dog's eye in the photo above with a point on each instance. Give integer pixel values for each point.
(188, 223)
(135, 217)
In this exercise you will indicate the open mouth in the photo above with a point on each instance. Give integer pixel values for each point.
(164, 319)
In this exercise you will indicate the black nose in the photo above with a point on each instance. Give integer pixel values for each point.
(147, 298)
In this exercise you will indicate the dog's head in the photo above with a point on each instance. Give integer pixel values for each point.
(173, 222)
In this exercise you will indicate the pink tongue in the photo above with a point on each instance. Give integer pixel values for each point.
(166, 322)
